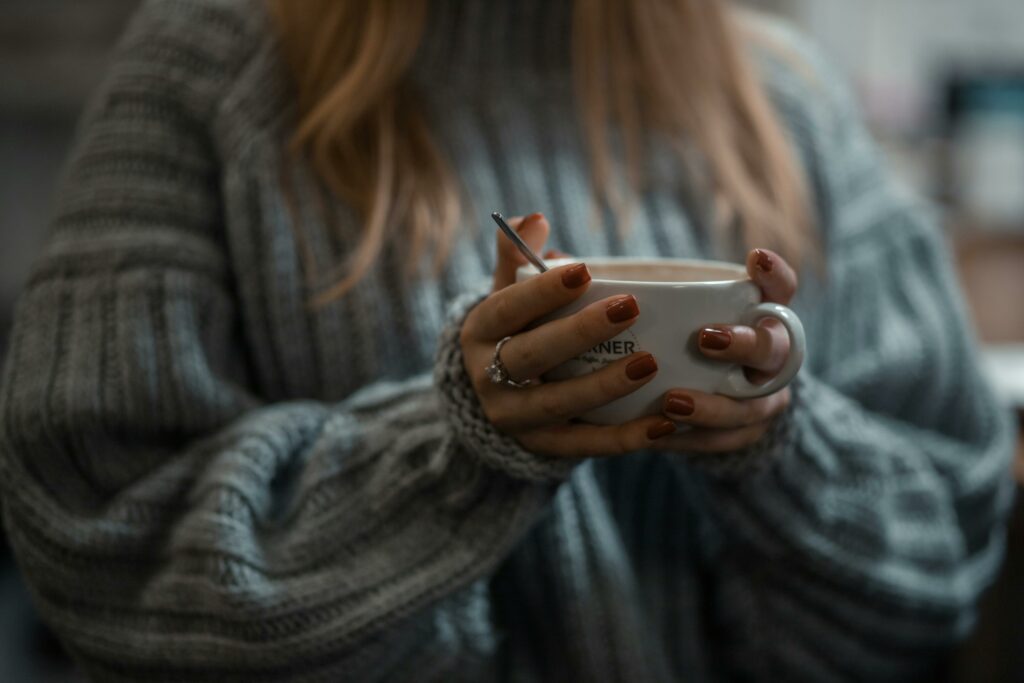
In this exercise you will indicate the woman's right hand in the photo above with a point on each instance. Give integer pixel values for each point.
(540, 416)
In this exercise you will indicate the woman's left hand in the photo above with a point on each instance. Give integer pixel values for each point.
(719, 423)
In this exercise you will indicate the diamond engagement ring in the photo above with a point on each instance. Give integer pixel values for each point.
(498, 373)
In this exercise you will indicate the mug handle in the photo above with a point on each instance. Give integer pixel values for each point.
(736, 383)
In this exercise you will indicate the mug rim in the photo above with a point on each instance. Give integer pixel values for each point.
(739, 270)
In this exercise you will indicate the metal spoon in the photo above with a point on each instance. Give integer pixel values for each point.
(537, 261)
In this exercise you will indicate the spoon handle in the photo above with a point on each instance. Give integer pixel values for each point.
(537, 262)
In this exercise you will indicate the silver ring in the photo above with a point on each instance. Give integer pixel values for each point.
(498, 373)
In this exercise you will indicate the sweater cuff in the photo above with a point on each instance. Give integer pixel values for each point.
(759, 457)
(466, 416)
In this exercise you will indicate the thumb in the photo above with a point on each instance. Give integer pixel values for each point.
(534, 231)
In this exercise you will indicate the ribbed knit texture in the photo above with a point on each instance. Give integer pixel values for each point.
(205, 479)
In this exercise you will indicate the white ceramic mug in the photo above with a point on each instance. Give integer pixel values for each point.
(677, 299)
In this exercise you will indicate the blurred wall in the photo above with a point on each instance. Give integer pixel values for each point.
(899, 50)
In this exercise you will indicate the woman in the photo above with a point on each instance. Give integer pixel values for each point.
(241, 443)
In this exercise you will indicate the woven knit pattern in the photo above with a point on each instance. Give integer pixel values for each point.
(467, 418)
(206, 479)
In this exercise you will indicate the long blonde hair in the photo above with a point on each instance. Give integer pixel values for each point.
(678, 67)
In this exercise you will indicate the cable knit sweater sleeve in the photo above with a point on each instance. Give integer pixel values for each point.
(170, 524)
(859, 551)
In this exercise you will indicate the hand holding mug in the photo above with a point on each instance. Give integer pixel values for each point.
(539, 415)
(720, 423)
(596, 352)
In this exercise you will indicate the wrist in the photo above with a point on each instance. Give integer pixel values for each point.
(465, 415)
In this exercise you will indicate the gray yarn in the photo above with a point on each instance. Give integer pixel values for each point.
(205, 479)
(466, 416)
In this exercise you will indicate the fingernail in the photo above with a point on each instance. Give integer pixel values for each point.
(679, 404)
(661, 430)
(529, 219)
(764, 261)
(642, 367)
(576, 276)
(621, 310)
(715, 339)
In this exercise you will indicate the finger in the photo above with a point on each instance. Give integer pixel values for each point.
(776, 278)
(699, 409)
(530, 354)
(514, 411)
(764, 347)
(512, 308)
(598, 441)
(555, 254)
(534, 231)
(715, 440)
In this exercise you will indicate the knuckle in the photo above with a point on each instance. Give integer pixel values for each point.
(477, 381)
(505, 246)
(781, 347)
(491, 412)
(610, 382)
(557, 450)
(627, 440)
(785, 399)
(501, 308)
(553, 285)
(790, 280)
(744, 438)
(521, 355)
(573, 449)
(776, 405)
(759, 410)
(757, 433)
(475, 374)
(553, 291)
(726, 415)
(763, 344)
(581, 326)
(744, 341)
(555, 406)
(534, 444)
(468, 331)
(498, 415)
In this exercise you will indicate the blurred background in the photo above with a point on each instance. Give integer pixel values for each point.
(941, 83)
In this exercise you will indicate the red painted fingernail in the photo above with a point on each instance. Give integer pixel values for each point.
(679, 404)
(530, 219)
(576, 276)
(621, 310)
(715, 339)
(641, 368)
(661, 430)
(764, 261)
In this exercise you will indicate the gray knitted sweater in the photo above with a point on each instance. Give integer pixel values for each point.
(205, 479)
